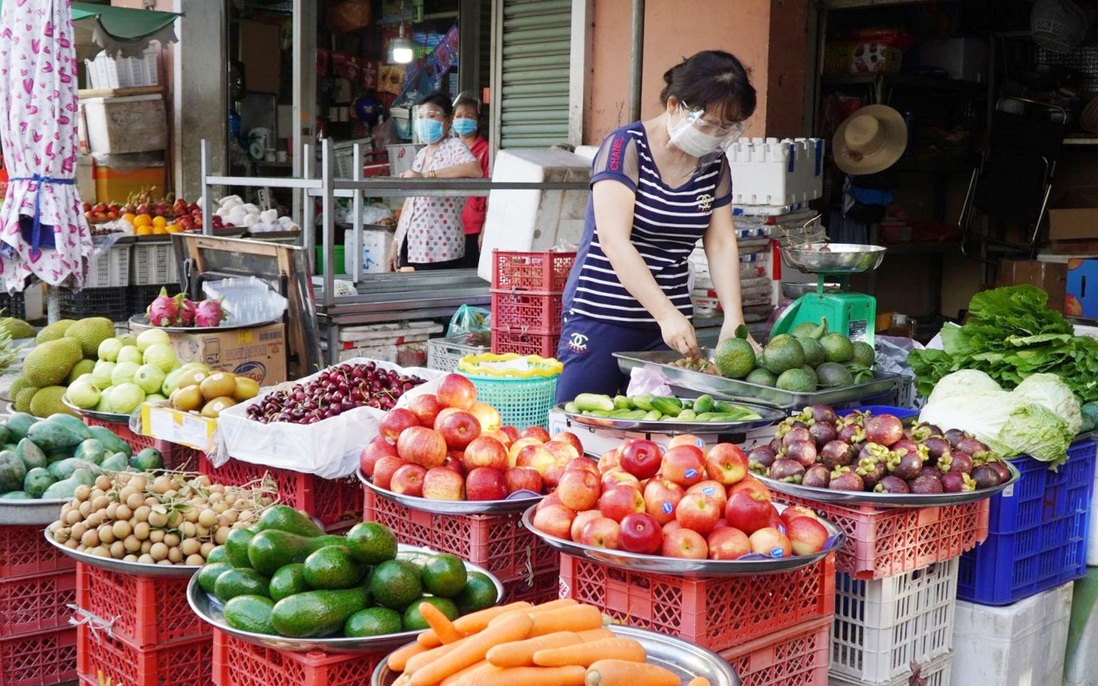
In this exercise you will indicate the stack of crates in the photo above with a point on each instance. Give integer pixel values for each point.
(526, 300)
(152, 266)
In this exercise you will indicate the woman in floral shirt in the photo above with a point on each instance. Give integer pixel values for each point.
(430, 234)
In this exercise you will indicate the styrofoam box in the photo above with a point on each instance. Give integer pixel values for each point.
(125, 124)
(1081, 660)
(1021, 643)
(376, 244)
(772, 172)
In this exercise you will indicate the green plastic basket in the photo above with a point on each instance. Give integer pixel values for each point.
(523, 399)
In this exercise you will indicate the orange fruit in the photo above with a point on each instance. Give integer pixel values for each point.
(173, 228)
(159, 230)
(143, 230)
(129, 217)
(159, 221)
(142, 220)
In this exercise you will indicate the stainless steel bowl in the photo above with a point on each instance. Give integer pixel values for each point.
(796, 290)
(834, 258)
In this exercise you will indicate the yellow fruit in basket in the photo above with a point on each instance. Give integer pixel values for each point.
(143, 230)
(159, 230)
(191, 377)
(213, 408)
(173, 228)
(130, 217)
(218, 385)
(159, 221)
(246, 389)
(142, 220)
(186, 399)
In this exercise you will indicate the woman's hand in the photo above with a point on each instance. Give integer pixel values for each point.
(391, 261)
(409, 174)
(678, 333)
(728, 330)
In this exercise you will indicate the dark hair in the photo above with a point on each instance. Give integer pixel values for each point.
(437, 98)
(468, 99)
(711, 77)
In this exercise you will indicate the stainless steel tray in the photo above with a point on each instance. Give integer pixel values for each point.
(452, 507)
(209, 610)
(887, 500)
(833, 258)
(112, 417)
(677, 566)
(881, 385)
(143, 320)
(768, 417)
(121, 566)
(685, 659)
(30, 512)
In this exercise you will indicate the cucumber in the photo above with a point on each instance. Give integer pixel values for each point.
(590, 402)
(622, 402)
(702, 404)
(643, 401)
(570, 407)
(666, 405)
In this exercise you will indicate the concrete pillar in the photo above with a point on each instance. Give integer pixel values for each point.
(200, 98)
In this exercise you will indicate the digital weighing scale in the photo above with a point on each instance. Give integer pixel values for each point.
(851, 314)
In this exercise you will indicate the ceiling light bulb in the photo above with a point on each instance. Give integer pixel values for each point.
(401, 49)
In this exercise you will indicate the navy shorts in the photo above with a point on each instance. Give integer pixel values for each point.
(586, 348)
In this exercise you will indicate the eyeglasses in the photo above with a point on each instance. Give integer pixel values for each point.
(731, 130)
(430, 114)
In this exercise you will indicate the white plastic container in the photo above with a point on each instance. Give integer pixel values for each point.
(1021, 643)
(376, 244)
(106, 72)
(776, 173)
(125, 124)
(937, 672)
(1081, 660)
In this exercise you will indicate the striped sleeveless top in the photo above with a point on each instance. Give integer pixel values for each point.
(667, 223)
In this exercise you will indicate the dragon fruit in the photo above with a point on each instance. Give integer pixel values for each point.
(186, 311)
(208, 313)
(163, 310)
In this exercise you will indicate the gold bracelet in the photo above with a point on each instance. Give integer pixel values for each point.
(432, 174)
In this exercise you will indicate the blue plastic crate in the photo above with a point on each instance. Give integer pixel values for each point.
(898, 412)
(1037, 532)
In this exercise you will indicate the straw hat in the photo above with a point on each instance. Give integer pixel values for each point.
(871, 140)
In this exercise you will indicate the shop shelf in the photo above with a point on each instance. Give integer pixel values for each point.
(180, 663)
(24, 552)
(937, 672)
(176, 457)
(37, 603)
(95, 302)
(531, 312)
(337, 503)
(716, 613)
(154, 263)
(1039, 529)
(545, 271)
(38, 659)
(793, 656)
(237, 663)
(886, 542)
(444, 355)
(883, 625)
(522, 342)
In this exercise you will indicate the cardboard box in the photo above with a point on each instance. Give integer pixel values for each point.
(1074, 215)
(161, 421)
(261, 52)
(1082, 289)
(257, 352)
(1049, 276)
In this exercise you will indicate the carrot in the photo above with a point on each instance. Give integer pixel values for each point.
(622, 673)
(417, 661)
(472, 649)
(595, 634)
(440, 623)
(478, 667)
(575, 618)
(541, 609)
(528, 676)
(521, 653)
(398, 659)
(476, 621)
(586, 654)
(698, 681)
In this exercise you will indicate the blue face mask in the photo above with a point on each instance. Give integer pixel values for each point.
(429, 130)
(464, 127)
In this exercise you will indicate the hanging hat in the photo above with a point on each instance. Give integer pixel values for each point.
(870, 140)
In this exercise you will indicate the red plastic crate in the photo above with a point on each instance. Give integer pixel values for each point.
(796, 656)
(715, 613)
(887, 542)
(539, 588)
(499, 542)
(525, 311)
(337, 503)
(37, 603)
(38, 659)
(179, 457)
(25, 552)
(523, 343)
(545, 271)
(182, 663)
(237, 663)
(143, 611)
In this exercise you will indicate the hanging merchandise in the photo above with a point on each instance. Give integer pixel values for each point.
(870, 140)
(349, 15)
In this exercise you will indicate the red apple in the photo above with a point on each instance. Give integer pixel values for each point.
(572, 438)
(457, 391)
(620, 501)
(671, 526)
(698, 512)
(563, 450)
(487, 415)
(640, 533)
(484, 451)
(551, 499)
(713, 489)
(726, 463)
(535, 432)
(522, 479)
(553, 473)
(581, 520)
(395, 422)
(376, 449)
(384, 469)
(661, 497)
(642, 459)
(619, 477)
(609, 460)
(511, 431)
(534, 455)
(408, 480)
(687, 439)
(685, 543)
(601, 532)
(503, 438)
(454, 460)
(485, 483)
(446, 412)
(426, 408)
(727, 543)
(555, 520)
(806, 535)
(582, 463)
(516, 447)
(422, 446)
(750, 484)
(793, 511)
(458, 428)
(442, 483)
(775, 520)
(770, 541)
(684, 464)
(579, 489)
(748, 512)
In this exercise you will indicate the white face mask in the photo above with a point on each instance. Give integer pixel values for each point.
(686, 137)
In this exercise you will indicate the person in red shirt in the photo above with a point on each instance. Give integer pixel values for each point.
(465, 126)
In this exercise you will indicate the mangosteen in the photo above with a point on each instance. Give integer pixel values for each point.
(785, 469)
(931, 470)
(823, 433)
(852, 433)
(892, 484)
(918, 432)
(802, 451)
(762, 455)
(905, 444)
(799, 433)
(871, 471)
(957, 482)
(936, 447)
(954, 436)
(843, 479)
(908, 466)
(775, 445)
(999, 466)
(821, 413)
(960, 462)
(816, 476)
(986, 476)
(884, 429)
(925, 484)
(972, 447)
(935, 430)
(872, 450)
(836, 454)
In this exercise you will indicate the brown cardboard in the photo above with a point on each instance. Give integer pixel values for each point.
(261, 52)
(1074, 214)
(1049, 276)
(257, 352)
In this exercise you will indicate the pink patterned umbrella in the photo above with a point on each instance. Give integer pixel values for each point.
(42, 228)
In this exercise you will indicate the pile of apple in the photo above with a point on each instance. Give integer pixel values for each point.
(448, 446)
(686, 502)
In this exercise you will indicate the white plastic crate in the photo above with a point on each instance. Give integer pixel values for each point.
(1013, 644)
(776, 173)
(105, 72)
(109, 269)
(882, 626)
(344, 156)
(936, 672)
(444, 355)
(154, 263)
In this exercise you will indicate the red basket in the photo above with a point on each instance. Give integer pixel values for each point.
(539, 588)
(715, 613)
(175, 456)
(337, 503)
(25, 552)
(796, 656)
(37, 603)
(545, 271)
(521, 342)
(887, 542)
(38, 659)
(525, 311)
(237, 663)
(182, 663)
(143, 611)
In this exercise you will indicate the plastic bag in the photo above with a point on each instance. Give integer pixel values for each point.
(470, 326)
(648, 380)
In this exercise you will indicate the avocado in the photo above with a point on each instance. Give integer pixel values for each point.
(783, 353)
(332, 567)
(287, 581)
(286, 518)
(207, 576)
(16, 495)
(371, 543)
(236, 547)
(218, 554)
(317, 613)
(269, 550)
(250, 613)
(234, 582)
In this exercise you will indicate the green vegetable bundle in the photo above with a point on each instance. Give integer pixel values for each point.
(1010, 334)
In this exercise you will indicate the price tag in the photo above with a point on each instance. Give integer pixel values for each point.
(263, 199)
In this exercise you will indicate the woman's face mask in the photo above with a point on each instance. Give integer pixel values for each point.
(429, 130)
(464, 127)
(690, 134)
